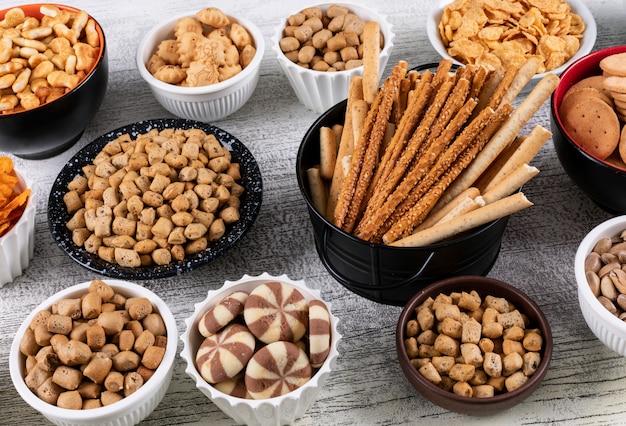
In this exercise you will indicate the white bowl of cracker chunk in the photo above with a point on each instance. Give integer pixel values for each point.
(202, 65)
(75, 358)
(497, 34)
(306, 40)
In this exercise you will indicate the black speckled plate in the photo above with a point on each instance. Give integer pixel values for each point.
(250, 202)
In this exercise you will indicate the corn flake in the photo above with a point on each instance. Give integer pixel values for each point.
(496, 33)
(12, 203)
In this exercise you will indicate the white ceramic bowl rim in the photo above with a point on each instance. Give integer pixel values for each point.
(202, 307)
(126, 403)
(578, 7)
(149, 42)
(385, 28)
(609, 228)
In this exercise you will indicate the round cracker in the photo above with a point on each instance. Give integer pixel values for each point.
(594, 81)
(618, 96)
(622, 144)
(593, 125)
(614, 64)
(615, 84)
(580, 92)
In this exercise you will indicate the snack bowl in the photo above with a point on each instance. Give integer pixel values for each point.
(320, 90)
(206, 103)
(284, 409)
(484, 286)
(383, 273)
(55, 126)
(127, 411)
(600, 180)
(577, 6)
(17, 246)
(606, 326)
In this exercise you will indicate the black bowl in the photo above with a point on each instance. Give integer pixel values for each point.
(462, 404)
(251, 200)
(54, 127)
(601, 181)
(386, 274)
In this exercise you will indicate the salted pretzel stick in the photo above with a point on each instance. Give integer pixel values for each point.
(346, 146)
(328, 152)
(371, 54)
(317, 189)
(435, 216)
(503, 137)
(373, 218)
(481, 216)
(525, 73)
(511, 183)
(367, 150)
(434, 162)
(529, 147)
(505, 83)
(411, 213)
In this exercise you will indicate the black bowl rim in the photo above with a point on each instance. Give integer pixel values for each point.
(440, 287)
(554, 109)
(249, 210)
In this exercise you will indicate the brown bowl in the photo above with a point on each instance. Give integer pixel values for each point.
(463, 404)
(55, 126)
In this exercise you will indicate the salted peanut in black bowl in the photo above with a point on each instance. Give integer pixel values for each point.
(403, 233)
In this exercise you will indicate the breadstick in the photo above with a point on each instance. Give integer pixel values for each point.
(436, 215)
(465, 206)
(505, 83)
(371, 54)
(524, 74)
(317, 189)
(511, 183)
(503, 137)
(529, 147)
(359, 113)
(481, 216)
(480, 77)
(328, 152)
(346, 146)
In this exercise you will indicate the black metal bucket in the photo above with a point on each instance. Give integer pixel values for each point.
(386, 274)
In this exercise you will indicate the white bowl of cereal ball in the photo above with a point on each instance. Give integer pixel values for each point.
(601, 281)
(557, 52)
(248, 314)
(202, 65)
(98, 352)
(320, 82)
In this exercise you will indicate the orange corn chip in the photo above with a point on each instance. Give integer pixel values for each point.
(12, 204)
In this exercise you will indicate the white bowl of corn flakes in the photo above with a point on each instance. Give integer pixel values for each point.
(497, 37)
(17, 222)
(202, 65)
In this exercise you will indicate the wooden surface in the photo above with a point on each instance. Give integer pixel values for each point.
(586, 381)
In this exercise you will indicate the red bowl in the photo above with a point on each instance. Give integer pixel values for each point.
(602, 181)
(55, 126)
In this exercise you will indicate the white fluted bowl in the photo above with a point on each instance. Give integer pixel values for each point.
(320, 90)
(204, 103)
(609, 329)
(130, 410)
(18, 245)
(280, 410)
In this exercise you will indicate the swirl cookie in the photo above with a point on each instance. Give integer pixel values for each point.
(276, 311)
(234, 387)
(223, 355)
(319, 332)
(222, 313)
(277, 369)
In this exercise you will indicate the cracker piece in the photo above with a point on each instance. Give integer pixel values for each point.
(614, 64)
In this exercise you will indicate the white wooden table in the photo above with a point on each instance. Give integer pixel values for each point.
(586, 382)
